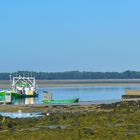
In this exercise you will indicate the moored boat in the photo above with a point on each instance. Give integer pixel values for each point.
(48, 99)
(75, 100)
(22, 87)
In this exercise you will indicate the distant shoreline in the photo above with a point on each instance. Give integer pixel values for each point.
(79, 83)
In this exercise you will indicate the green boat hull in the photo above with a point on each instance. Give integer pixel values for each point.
(61, 101)
(17, 95)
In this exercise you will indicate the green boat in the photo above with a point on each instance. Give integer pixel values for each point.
(17, 95)
(46, 101)
(22, 87)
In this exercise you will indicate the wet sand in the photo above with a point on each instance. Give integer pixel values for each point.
(79, 83)
(75, 107)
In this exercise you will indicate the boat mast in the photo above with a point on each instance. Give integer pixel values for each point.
(10, 79)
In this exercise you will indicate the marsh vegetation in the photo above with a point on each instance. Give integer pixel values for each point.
(113, 121)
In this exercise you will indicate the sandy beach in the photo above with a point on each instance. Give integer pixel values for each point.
(77, 83)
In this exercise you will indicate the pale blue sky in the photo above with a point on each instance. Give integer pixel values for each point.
(65, 35)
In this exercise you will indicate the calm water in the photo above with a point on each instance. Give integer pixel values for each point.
(21, 114)
(96, 94)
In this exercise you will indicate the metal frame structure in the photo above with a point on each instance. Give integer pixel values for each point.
(30, 80)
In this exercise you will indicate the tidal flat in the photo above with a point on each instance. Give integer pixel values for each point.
(79, 83)
(114, 121)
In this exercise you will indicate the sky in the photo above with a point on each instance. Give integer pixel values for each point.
(66, 35)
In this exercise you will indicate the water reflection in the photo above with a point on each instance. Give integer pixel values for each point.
(25, 101)
(90, 93)
(98, 93)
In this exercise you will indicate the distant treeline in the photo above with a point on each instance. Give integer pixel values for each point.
(74, 75)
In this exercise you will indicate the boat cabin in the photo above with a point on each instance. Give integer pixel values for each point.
(24, 85)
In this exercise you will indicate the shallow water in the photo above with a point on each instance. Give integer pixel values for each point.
(21, 114)
(96, 94)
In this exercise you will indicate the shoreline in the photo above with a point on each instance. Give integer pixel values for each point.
(79, 83)
(60, 107)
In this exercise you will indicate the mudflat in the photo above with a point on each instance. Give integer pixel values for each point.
(74, 83)
(115, 121)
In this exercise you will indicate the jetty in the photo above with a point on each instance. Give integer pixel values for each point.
(131, 94)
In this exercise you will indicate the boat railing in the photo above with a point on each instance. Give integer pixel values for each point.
(47, 95)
